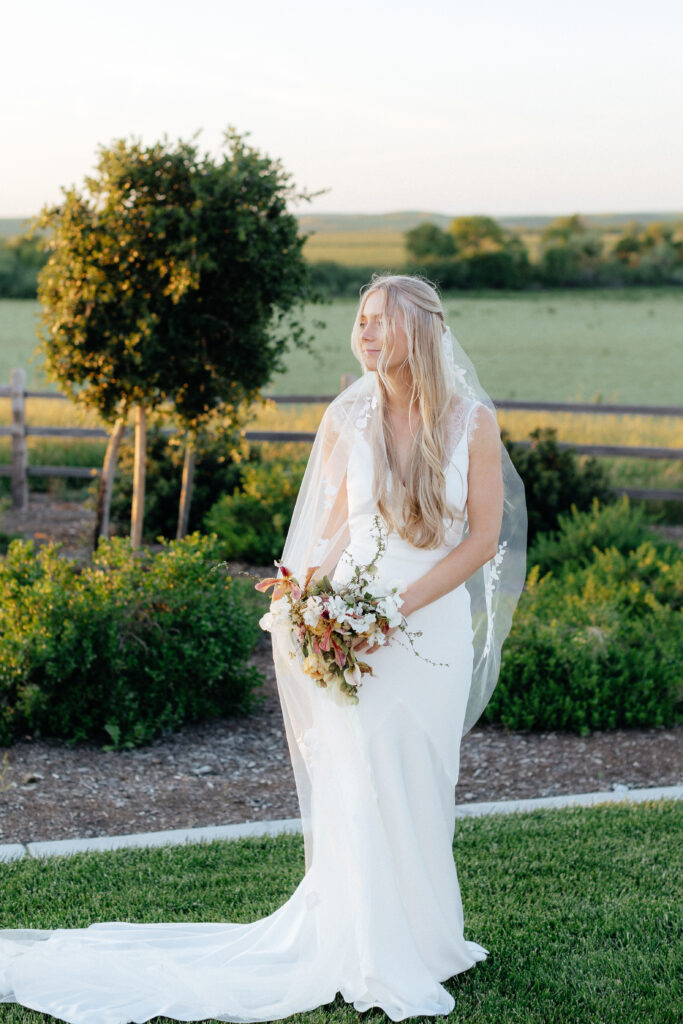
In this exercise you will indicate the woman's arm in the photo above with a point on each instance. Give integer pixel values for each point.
(484, 514)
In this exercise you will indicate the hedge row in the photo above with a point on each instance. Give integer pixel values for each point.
(130, 646)
(138, 644)
(597, 639)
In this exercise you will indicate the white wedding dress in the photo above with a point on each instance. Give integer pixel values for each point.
(378, 915)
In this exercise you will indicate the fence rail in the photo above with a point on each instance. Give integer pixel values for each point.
(20, 471)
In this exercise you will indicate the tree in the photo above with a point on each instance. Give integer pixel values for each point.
(21, 258)
(475, 235)
(563, 229)
(428, 241)
(571, 253)
(172, 281)
(492, 256)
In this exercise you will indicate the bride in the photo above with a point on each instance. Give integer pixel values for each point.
(413, 448)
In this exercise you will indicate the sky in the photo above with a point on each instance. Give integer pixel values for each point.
(496, 107)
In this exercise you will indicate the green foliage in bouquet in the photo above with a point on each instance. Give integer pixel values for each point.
(131, 646)
(252, 524)
(596, 642)
(555, 479)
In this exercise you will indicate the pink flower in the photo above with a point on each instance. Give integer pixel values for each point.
(339, 655)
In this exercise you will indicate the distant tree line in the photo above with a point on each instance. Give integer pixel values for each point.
(473, 252)
(20, 260)
(477, 252)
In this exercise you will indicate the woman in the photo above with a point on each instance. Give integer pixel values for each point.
(408, 462)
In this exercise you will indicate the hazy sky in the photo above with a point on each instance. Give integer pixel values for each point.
(495, 106)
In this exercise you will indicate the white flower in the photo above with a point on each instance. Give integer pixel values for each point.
(360, 623)
(267, 622)
(353, 675)
(278, 616)
(312, 611)
(338, 609)
(388, 607)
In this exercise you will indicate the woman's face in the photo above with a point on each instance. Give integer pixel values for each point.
(371, 333)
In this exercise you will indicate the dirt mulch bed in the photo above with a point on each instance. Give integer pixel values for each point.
(238, 769)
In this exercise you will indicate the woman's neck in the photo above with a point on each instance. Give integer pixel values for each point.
(400, 400)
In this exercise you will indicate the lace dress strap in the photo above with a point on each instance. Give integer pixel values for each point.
(470, 421)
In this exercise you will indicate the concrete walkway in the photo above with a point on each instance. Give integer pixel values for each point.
(15, 851)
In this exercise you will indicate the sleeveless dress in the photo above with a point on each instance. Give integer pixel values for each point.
(378, 915)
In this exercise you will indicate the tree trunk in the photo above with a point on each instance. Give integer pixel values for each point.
(138, 507)
(186, 489)
(107, 481)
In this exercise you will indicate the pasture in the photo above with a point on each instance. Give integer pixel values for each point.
(585, 345)
(600, 346)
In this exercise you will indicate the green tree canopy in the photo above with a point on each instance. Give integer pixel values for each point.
(563, 229)
(475, 235)
(171, 281)
(172, 278)
(428, 241)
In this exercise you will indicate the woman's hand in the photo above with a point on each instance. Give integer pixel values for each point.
(362, 645)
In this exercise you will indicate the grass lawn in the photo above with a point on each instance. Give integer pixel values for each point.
(579, 908)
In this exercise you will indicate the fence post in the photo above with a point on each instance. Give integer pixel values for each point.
(17, 383)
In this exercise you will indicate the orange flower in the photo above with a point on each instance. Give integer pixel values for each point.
(282, 584)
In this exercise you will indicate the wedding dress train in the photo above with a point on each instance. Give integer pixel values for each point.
(377, 916)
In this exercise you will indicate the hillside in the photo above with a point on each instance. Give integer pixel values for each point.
(404, 220)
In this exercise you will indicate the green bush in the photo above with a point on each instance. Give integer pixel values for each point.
(579, 535)
(596, 647)
(126, 648)
(555, 479)
(216, 472)
(252, 524)
(251, 521)
(336, 279)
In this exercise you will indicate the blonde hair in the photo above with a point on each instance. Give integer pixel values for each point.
(417, 509)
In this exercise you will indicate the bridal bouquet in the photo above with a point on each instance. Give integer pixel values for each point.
(328, 620)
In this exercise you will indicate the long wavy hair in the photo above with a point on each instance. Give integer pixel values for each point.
(415, 509)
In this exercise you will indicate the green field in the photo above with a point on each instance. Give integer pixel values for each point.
(595, 345)
(578, 908)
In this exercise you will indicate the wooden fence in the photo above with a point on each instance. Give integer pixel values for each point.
(19, 469)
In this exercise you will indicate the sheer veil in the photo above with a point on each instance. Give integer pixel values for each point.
(319, 532)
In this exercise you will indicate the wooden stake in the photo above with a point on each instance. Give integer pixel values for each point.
(186, 489)
(107, 481)
(138, 507)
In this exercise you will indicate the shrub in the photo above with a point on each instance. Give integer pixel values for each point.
(597, 647)
(132, 645)
(580, 535)
(555, 479)
(252, 524)
(216, 471)
(337, 279)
